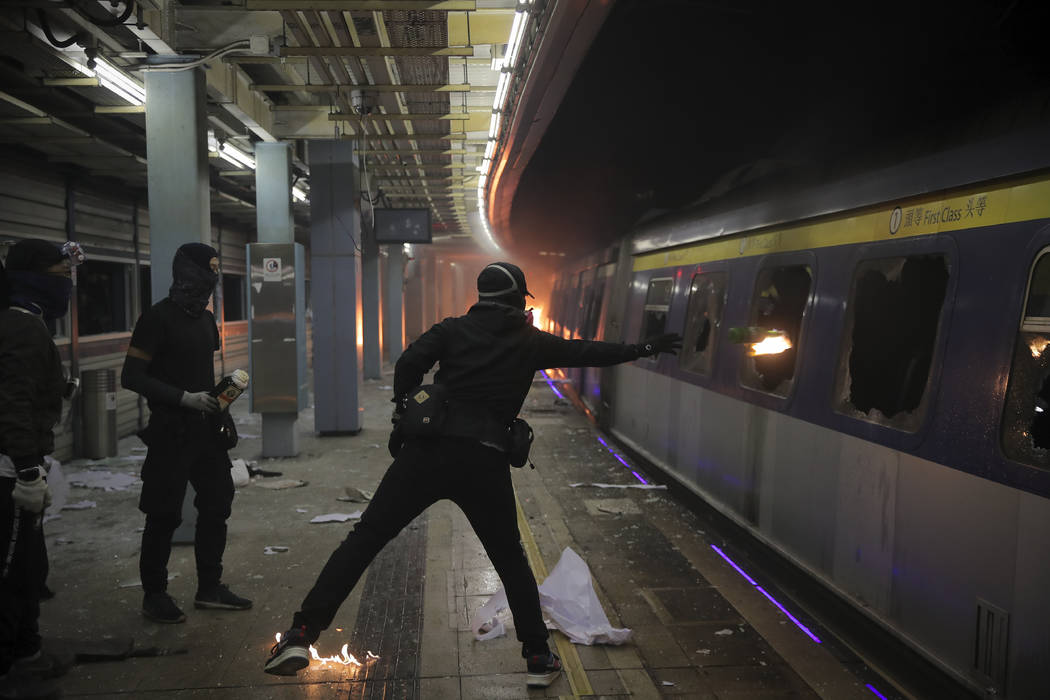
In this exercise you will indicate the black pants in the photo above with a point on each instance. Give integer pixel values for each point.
(474, 477)
(23, 575)
(169, 466)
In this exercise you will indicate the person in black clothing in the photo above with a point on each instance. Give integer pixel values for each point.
(32, 385)
(488, 359)
(169, 361)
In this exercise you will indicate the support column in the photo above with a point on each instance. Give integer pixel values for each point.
(178, 183)
(459, 296)
(393, 306)
(413, 299)
(373, 358)
(336, 276)
(273, 216)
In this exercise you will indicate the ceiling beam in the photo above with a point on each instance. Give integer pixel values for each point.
(451, 87)
(351, 5)
(300, 51)
(411, 152)
(344, 117)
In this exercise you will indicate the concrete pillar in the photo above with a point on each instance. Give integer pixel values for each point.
(373, 358)
(460, 302)
(177, 177)
(273, 221)
(178, 187)
(413, 299)
(393, 306)
(335, 287)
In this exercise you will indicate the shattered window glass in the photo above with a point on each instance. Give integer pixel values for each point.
(892, 323)
(702, 319)
(779, 302)
(657, 303)
(1026, 416)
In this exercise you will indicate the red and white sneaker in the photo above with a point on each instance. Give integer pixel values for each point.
(543, 669)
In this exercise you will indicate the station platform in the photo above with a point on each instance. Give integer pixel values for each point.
(704, 624)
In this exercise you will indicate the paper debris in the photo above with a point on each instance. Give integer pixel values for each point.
(136, 583)
(647, 487)
(106, 480)
(79, 505)
(666, 683)
(567, 599)
(239, 472)
(281, 484)
(336, 517)
(301, 510)
(724, 633)
(355, 495)
(704, 652)
(274, 549)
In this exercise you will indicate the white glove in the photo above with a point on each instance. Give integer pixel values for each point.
(32, 494)
(199, 401)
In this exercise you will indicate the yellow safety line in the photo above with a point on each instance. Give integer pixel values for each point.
(570, 660)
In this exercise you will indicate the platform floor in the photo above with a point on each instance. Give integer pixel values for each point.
(700, 628)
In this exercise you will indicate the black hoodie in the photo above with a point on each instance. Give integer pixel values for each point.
(488, 360)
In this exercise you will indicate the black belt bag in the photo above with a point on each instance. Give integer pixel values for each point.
(424, 411)
(519, 442)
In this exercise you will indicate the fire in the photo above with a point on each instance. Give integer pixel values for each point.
(537, 317)
(772, 345)
(344, 658)
(1038, 345)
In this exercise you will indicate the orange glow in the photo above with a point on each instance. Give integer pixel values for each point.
(537, 316)
(344, 658)
(1038, 346)
(773, 345)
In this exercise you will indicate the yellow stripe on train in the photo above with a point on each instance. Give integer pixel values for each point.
(1024, 201)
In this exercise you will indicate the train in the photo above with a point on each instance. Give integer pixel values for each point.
(898, 453)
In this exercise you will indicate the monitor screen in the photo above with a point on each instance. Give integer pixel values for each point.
(402, 225)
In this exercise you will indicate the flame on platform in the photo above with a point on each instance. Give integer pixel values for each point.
(772, 345)
(1038, 346)
(344, 658)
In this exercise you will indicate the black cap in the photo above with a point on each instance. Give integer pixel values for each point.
(501, 278)
(33, 255)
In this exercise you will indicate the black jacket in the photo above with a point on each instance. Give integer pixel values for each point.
(488, 359)
(32, 382)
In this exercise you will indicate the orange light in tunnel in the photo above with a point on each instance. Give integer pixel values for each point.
(773, 345)
(1038, 346)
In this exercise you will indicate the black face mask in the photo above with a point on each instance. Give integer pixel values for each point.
(41, 292)
(193, 285)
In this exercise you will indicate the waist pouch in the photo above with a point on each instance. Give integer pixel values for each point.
(424, 411)
(519, 442)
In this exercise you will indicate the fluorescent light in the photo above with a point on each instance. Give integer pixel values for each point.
(494, 124)
(236, 156)
(517, 29)
(299, 195)
(113, 79)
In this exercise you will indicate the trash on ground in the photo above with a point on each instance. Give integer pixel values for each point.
(105, 480)
(568, 601)
(647, 487)
(274, 549)
(666, 683)
(336, 517)
(301, 510)
(137, 582)
(355, 495)
(256, 471)
(239, 472)
(281, 484)
(724, 633)
(79, 505)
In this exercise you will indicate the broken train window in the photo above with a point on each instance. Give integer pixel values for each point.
(1026, 416)
(779, 302)
(892, 322)
(703, 316)
(657, 304)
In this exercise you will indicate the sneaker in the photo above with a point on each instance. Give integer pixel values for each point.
(42, 664)
(543, 669)
(161, 607)
(289, 655)
(220, 598)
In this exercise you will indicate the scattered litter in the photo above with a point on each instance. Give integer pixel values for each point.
(239, 472)
(336, 517)
(106, 480)
(567, 598)
(138, 449)
(647, 487)
(256, 576)
(136, 583)
(281, 484)
(762, 663)
(704, 652)
(301, 510)
(666, 683)
(375, 445)
(63, 540)
(274, 549)
(255, 471)
(356, 495)
(79, 505)
(724, 633)
(386, 388)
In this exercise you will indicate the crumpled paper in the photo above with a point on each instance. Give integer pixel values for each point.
(567, 599)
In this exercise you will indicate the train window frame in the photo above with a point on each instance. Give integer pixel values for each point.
(1022, 402)
(890, 261)
(710, 350)
(647, 308)
(747, 375)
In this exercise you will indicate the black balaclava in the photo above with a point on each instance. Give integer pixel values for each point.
(503, 283)
(193, 281)
(32, 286)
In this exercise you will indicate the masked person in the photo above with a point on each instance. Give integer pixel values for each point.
(32, 384)
(488, 360)
(169, 361)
